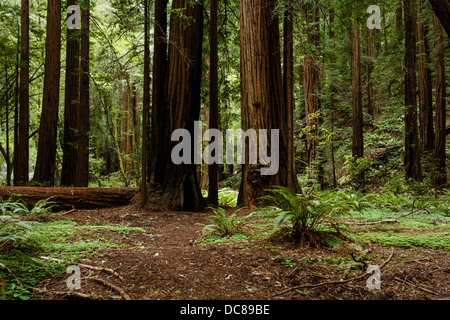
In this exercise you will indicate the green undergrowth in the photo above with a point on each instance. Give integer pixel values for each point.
(422, 219)
(27, 234)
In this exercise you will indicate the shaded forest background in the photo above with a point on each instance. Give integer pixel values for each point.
(363, 108)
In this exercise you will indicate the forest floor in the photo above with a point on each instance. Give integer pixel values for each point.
(161, 258)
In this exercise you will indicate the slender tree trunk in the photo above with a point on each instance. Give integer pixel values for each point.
(82, 176)
(21, 174)
(333, 101)
(288, 91)
(425, 85)
(371, 54)
(7, 158)
(145, 107)
(46, 155)
(214, 101)
(16, 112)
(159, 153)
(412, 147)
(357, 112)
(311, 83)
(440, 108)
(71, 105)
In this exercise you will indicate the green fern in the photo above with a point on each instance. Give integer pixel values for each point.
(223, 224)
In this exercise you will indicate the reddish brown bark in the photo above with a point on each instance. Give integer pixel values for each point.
(46, 155)
(79, 198)
(412, 148)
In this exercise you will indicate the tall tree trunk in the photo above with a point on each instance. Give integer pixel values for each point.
(214, 101)
(334, 92)
(71, 105)
(440, 108)
(371, 54)
(441, 9)
(46, 154)
(181, 190)
(425, 86)
(357, 112)
(288, 91)
(159, 152)
(21, 174)
(145, 107)
(82, 176)
(311, 83)
(16, 112)
(7, 151)
(126, 123)
(412, 147)
(261, 95)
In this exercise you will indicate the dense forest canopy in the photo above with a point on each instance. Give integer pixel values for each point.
(357, 90)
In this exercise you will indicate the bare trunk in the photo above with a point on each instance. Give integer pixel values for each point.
(425, 85)
(440, 109)
(412, 147)
(21, 173)
(46, 155)
(71, 105)
(214, 101)
(82, 176)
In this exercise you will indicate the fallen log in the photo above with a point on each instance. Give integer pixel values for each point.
(67, 198)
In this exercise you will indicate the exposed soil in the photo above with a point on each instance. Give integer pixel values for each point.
(167, 263)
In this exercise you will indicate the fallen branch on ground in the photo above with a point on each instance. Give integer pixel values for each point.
(414, 285)
(69, 294)
(107, 270)
(112, 286)
(338, 281)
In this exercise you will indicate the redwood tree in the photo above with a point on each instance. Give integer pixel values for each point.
(412, 147)
(425, 86)
(213, 100)
(71, 104)
(440, 108)
(46, 154)
(180, 187)
(22, 152)
(262, 104)
(82, 176)
(159, 153)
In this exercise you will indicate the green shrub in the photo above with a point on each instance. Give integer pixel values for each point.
(309, 218)
(222, 224)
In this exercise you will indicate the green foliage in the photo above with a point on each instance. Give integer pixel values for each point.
(224, 225)
(359, 172)
(309, 217)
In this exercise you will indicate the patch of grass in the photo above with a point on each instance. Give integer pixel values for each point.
(426, 240)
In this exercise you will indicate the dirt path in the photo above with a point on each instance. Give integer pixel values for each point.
(166, 263)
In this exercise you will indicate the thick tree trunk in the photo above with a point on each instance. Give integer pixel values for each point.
(441, 9)
(412, 147)
(46, 155)
(425, 86)
(440, 108)
(214, 102)
(262, 104)
(71, 105)
(79, 198)
(82, 176)
(357, 112)
(180, 189)
(21, 168)
(159, 153)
